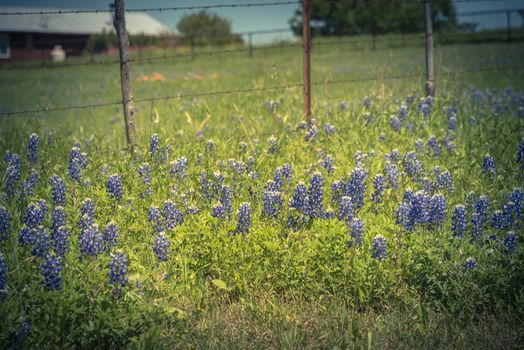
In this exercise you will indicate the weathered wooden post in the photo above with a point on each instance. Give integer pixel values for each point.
(430, 83)
(306, 43)
(125, 75)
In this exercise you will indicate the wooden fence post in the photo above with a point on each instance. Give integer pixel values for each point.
(306, 42)
(250, 40)
(125, 75)
(430, 83)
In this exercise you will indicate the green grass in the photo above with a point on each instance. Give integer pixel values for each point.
(274, 288)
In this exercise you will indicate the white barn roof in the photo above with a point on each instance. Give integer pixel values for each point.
(72, 23)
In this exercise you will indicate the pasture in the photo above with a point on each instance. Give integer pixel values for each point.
(239, 225)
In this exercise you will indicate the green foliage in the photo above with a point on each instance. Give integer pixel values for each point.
(204, 28)
(273, 288)
(375, 17)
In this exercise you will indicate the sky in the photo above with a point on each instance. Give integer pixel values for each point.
(246, 19)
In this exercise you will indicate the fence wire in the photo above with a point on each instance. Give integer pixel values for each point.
(250, 90)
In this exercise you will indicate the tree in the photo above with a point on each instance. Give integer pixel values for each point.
(204, 28)
(353, 17)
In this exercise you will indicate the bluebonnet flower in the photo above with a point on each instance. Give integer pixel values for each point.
(412, 166)
(471, 200)
(210, 146)
(237, 166)
(299, 199)
(114, 187)
(315, 196)
(311, 133)
(477, 225)
(218, 211)
(192, 210)
(154, 145)
(25, 329)
(413, 210)
(470, 263)
(394, 156)
(342, 106)
(161, 246)
(26, 236)
(452, 122)
(50, 270)
(77, 162)
(419, 146)
(391, 171)
(172, 216)
(434, 146)
(118, 271)
(12, 172)
(444, 181)
(488, 165)
(327, 163)
(517, 197)
(329, 129)
(458, 220)
(35, 213)
(337, 191)
(520, 153)
(360, 158)
(144, 171)
(510, 242)
(482, 208)
(154, 217)
(58, 218)
(382, 137)
(32, 148)
(498, 220)
(110, 236)
(91, 241)
(205, 184)
(4, 224)
(356, 231)
(3, 272)
(58, 190)
(346, 209)
(403, 112)
(226, 200)
(178, 168)
(28, 186)
(87, 213)
(329, 213)
(395, 123)
(449, 144)
(295, 222)
(356, 186)
(42, 242)
(508, 212)
(437, 209)
(367, 102)
(272, 141)
(242, 146)
(379, 248)
(379, 184)
(271, 203)
(282, 174)
(217, 183)
(244, 218)
(60, 241)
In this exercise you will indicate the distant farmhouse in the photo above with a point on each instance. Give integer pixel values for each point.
(33, 37)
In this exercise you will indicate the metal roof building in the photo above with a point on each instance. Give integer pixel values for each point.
(33, 36)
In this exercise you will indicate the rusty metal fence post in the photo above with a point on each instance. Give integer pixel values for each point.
(306, 42)
(125, 75)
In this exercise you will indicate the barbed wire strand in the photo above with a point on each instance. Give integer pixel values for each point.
(151, 9)
(471, 36)
(240, 91)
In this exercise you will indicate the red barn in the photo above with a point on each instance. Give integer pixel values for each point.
(30, 37)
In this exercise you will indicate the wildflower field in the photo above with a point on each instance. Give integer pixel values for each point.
(388, 220)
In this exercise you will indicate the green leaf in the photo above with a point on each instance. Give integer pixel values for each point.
(220, 284)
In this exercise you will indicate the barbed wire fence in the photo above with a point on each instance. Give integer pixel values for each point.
(125, 59)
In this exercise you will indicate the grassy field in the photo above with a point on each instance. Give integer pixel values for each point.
(296, 277)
